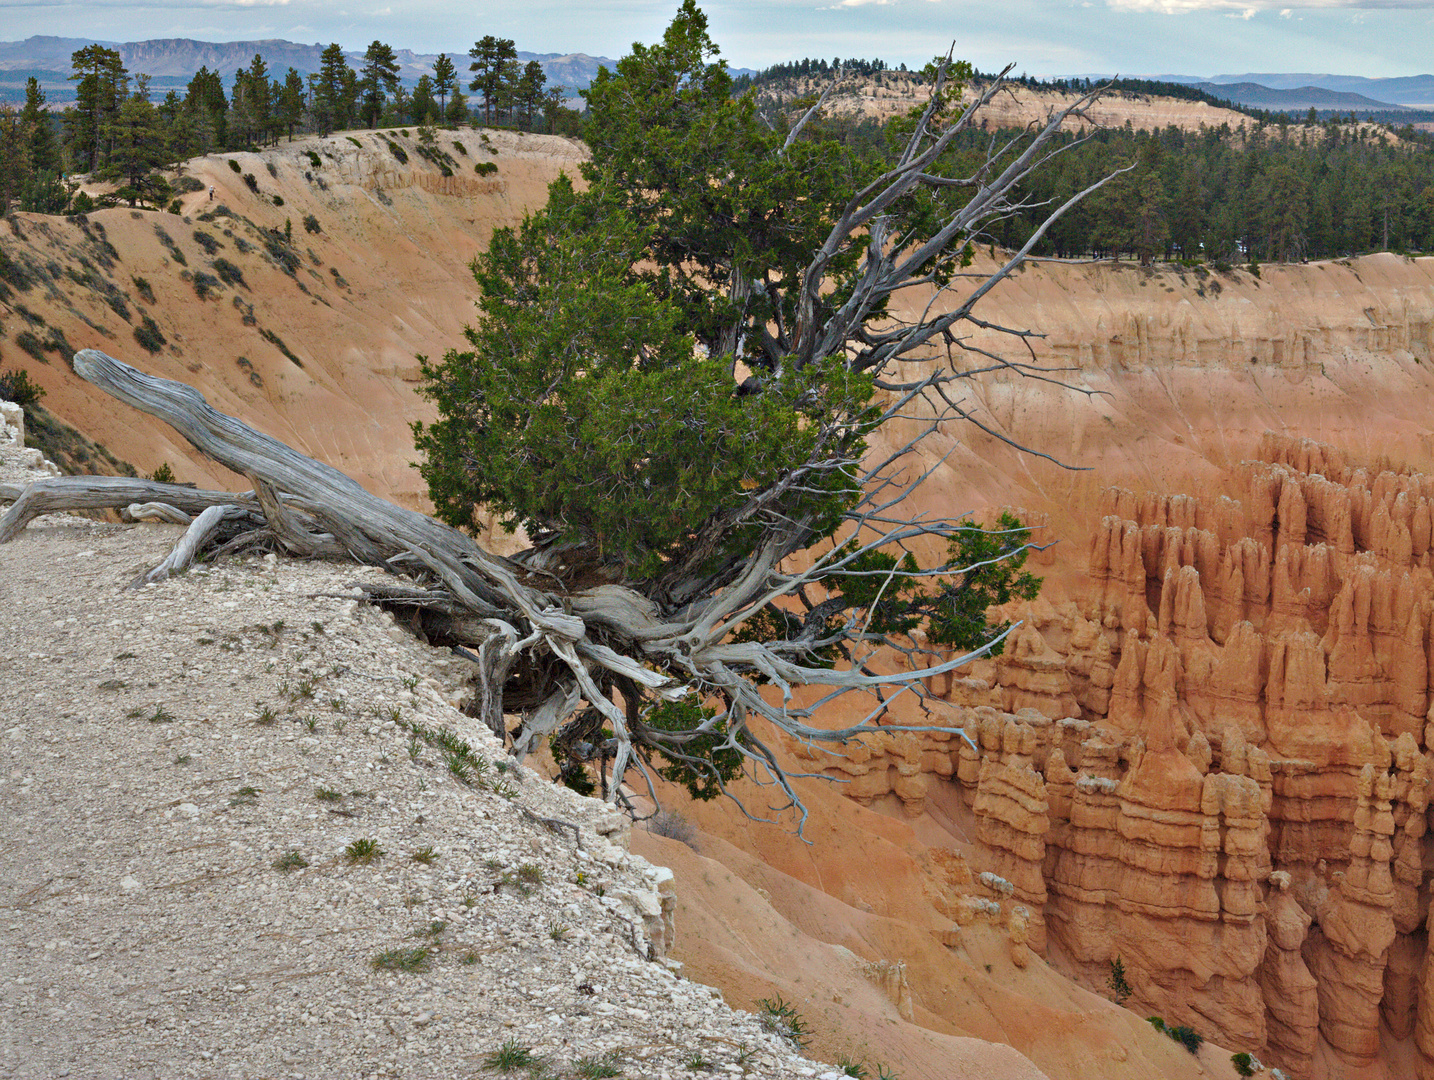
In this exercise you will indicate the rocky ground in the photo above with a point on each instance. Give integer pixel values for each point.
(241, 836)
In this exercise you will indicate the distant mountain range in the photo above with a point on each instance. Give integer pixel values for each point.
(172, 61)
(1302, 90)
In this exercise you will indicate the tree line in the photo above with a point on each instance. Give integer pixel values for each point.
(117, 130)
(1262, 193)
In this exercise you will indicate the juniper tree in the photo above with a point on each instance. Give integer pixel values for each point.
(674, 388)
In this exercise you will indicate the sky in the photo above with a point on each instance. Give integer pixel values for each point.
(1041, 37)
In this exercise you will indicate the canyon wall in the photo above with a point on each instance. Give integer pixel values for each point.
(1205, 752)
(1212, 760)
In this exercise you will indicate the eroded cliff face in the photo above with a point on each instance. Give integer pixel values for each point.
(1204, 753)
(1213, 759)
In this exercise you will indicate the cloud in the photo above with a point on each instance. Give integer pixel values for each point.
(1244, 9)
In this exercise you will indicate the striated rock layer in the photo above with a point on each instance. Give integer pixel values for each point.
(1213, 759)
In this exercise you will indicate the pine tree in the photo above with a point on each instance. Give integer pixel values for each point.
(490, 56)
(380, 77)
(445, 81)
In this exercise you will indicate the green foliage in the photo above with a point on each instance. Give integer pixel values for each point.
(148, 334)
(229, 273)
(1116, 983)
(1187, 1037)
(251, 182)
(486, 168)
(17, 386)
(510, 1057)
(700, 761)
(235, 166)
(781, 1018)
(311, 224)
(314, 159)
(1244, 1064)
(412, 959)
(646, 439)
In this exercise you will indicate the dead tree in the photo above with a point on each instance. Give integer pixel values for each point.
(549, 651)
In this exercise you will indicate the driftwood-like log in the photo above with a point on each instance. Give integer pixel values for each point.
(195, 537)
(56, 494)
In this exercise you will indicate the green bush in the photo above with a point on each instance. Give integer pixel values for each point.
(229, 273)
(397, 151)
(148, 335)
(311, 224)
(1187, 1037)
(235, 165)
(82, 204)
(272, 170)
(278, 200)
(206, 241)
(460, 147)
(187, 184)
(314, 159)
(30, 342)
(164, 474)
(17, 386)
(251, 183)
(145, 290)
(351, 139)
(204, 284)
(1244, 1064)
(486, 168)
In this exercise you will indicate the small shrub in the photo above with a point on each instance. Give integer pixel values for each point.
(1244, 1064)
(290, 861)
(17, 386)
(311, 224)
(397, 151)
(673, 826)
(175, 207)
(363, 851)
(206, 241)
(204, 284)
(1187, 1037)
(324, 794)
(486, 168)
(460, 147)
(425, 855)
(82, 204)
(278, 343)
(278, 200)
(781, 1018)
(1119, 987)
(314, 159)
(229, 273)
(251, 182)
(235, 166)
(597, 1067)
(414, 959)
(30, 342)
(148, 335)
(145, 290)
(187, 184)
(351, 139)
(510, 1057)
(164, 474)
(272, 170)
(851, 1067)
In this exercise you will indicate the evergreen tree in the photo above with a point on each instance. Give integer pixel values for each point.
(445, 81)
(290, 112)
(44, 151)
(425, 109)
(457, 111)
(530, 91)
(331, 90)
(380, 77)
(103, 85)
(490, 57)
(208, 110)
